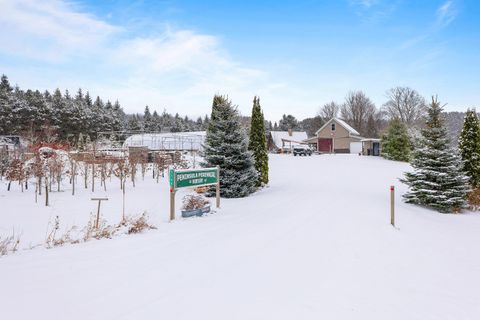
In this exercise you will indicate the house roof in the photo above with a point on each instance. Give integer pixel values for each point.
(342, 123)
(311, 140)
(279, 136)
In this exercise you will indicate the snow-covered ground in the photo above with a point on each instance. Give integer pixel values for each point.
(315, 244)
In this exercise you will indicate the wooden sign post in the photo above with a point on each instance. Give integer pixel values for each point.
(98, 209)
(172, 203)
(392, 205)
(192, 178)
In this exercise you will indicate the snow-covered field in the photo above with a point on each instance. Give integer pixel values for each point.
(315, 244)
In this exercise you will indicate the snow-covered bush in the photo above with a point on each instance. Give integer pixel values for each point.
(75, 234)
(473, 199)
(9, 244)
(194, 201)
(138, 224)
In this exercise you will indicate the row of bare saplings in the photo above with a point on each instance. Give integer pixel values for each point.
(49, 169)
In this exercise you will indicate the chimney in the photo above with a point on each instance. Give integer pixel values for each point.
(290, 132)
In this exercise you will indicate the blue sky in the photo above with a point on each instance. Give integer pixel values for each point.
(296, 55)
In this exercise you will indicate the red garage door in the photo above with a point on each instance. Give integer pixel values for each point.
(324, 144)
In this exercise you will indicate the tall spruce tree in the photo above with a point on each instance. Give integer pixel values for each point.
(469, 146)
(437, 180)
(226, 147)
(147, 120)
(258, 143)
(396, 142)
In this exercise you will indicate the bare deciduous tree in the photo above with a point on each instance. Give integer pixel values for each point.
(404, 104)
(357, 109)
(329, 110)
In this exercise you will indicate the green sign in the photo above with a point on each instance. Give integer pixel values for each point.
(193, 178)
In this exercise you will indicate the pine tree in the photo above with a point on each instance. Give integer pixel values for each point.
(58, 108)
(177, 125)
(469, 146)
(226, 147)
(288, 122)
(396, 143)
(6, 97)
(118, 121)
(206, 120)
(258, 143)
(437, 181)
(147, 120)
(156, 122)
(134, 123)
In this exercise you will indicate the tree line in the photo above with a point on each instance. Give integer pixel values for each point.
(38, 115)
(42, 115)
(360, 112)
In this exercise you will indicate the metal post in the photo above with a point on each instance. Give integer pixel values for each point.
(218, 187)
(392, 205)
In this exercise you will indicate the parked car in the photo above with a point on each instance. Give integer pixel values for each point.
(302, 150)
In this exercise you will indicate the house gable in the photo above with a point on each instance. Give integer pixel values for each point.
(341, 129)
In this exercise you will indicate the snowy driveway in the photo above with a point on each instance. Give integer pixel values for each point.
(316, 244)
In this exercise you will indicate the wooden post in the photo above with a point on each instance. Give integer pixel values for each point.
(392, 205)
(98, 214)
(73, 177)
(123, 198)
(46, 191)
(218, 187)
(97, 221)
(172, 203)
(93, 175)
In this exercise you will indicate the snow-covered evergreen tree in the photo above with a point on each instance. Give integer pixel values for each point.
(118, 120)
(156, 122)
(147, 120)
(6, 101)
(469, 146)
(177, 125)
(258, 143)
(396, 142)
(226, 147)
(437, 180)
(134, 123)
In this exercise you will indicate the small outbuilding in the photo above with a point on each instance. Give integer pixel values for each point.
(371, 147)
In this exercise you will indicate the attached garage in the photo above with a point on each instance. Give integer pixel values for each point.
(356, 147)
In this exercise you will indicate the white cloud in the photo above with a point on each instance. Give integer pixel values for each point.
(446, 13)
(177, 69)
(365, 3)
(49, 30)
(374, 11)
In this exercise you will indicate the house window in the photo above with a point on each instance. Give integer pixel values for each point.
(333, 126)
